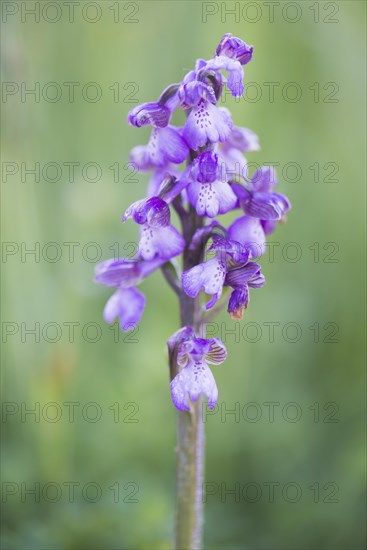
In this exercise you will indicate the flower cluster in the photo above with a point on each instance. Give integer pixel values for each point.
(213, 181)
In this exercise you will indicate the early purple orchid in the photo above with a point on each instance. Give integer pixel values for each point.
(214, 181)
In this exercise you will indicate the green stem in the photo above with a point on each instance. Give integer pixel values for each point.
(190, 430)
(190, 433)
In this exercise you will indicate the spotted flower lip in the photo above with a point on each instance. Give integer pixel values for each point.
(208, 190)
(206, 122)
(194, 378)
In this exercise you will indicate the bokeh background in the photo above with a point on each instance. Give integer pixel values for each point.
(311, 373)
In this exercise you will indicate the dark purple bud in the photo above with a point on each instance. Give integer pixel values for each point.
(238, 302)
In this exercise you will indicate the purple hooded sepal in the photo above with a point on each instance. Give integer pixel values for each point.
(195, 377)
(235, 48)
(149, 114)
(124, 273)
(165, 145)
(153, 211)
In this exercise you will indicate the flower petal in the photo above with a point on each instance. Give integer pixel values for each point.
(206, 123)
(265, 206)
(160, 242)
(249, 232)
(172, 146)
(211, 199)
(192, 381)
(208, 276)
(153, 114)
(128, 305)
(124, 272)
(264, 179)
(242, 275)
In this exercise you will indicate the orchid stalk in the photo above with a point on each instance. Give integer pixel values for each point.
(200, 171)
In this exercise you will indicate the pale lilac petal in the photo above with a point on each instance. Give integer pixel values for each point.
(208, 276)
(192, 381)
(243, 139)
(171, 145)
(227, 199)
(249, 232)
(128, 305)
(120, 272)
(160, 242)
(264, 179)
(123, 272)
(236, 163)
(211, 199)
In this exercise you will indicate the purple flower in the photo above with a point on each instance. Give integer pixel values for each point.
(259, 201)
(195, 377)
(208, 190)
(158, 237)
(230, 267)
(127, 303)
(235, 73)
(149, 114)
(206, 123)
(235, 48)
(243, 139)
(165, 145)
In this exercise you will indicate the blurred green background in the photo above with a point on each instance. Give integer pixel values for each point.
(312, 451)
